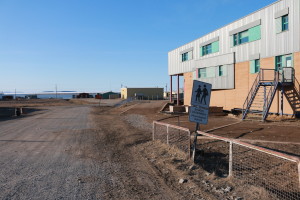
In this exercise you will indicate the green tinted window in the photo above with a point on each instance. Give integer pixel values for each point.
(202, 73)
(207, 49)
(278, 63)
(221, 70)
(285, 23)
(243, 37)
(256, 65)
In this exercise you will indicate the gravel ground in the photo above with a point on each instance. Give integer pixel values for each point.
(66, 153)
(138, 121)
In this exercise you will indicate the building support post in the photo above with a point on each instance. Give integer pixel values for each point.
(177, 89)
(171, 88)
(265, 103)
(281, 102)
(299, 173)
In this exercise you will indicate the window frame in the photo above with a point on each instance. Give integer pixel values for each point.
(220, 70)
(278, 62)
(256, 65)
(238, 39)
(285, 23)
(199, 73)
(184, 57)
(291, 59)
(207, 49)
(242, 38)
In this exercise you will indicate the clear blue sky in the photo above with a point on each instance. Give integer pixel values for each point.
(97, 45)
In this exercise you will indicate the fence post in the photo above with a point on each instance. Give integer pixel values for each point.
(189, 149)
(299, 173)
(230, 159)
(153, 130)
(167, 135)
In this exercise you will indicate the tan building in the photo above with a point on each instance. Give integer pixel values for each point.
(252, 63)
(142, 93)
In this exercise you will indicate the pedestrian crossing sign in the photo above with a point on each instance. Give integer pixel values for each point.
(201, 94)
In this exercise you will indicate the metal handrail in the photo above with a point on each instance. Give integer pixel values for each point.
(283, 76)
(250, 94)
(296, 85)
(270, 96)
(262, 74)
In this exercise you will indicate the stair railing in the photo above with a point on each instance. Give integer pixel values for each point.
(297, 85)
(288, 75)
(270, 96)
(251, 95)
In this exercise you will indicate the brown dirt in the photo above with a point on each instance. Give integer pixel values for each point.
(283, 133)
(114, 160)
(286, 130)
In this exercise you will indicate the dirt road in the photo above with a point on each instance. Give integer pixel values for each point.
(67, 153)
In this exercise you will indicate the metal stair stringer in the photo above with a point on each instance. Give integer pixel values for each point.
(270, 97)
(251, 96)
(292, 94)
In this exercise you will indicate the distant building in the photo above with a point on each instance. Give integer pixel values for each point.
(110, 95)
(33, 96)
(174, 94)
(7, 97)
(84, 95)
(142, 93)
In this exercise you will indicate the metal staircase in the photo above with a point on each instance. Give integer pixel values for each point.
(292, 94)
(261, 94)
(267, 82)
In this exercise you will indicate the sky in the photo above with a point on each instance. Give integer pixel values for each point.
(99, 45)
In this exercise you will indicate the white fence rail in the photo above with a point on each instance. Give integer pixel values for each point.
(172, 135)
(277, 173)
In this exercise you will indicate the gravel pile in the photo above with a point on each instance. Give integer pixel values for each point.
(138, 121)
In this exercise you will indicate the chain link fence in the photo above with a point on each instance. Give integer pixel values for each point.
(250, 166)
(172, 135)
(276, 173)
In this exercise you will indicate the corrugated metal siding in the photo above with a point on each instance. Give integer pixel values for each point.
(270, 44)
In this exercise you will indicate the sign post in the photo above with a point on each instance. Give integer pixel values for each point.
(198, 111)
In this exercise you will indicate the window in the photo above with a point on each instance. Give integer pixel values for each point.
(283, 61)
(235, 39)
(256, 65)
(202, 73)
(285, 23)
(288, 60)
(278, 64)
(221, 70)
(187, 56)
(241, 38)
(184, 56)
(282, 24)
(249, 35)
(207, 49)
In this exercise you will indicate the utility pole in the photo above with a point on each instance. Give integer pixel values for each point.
(16, 94)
